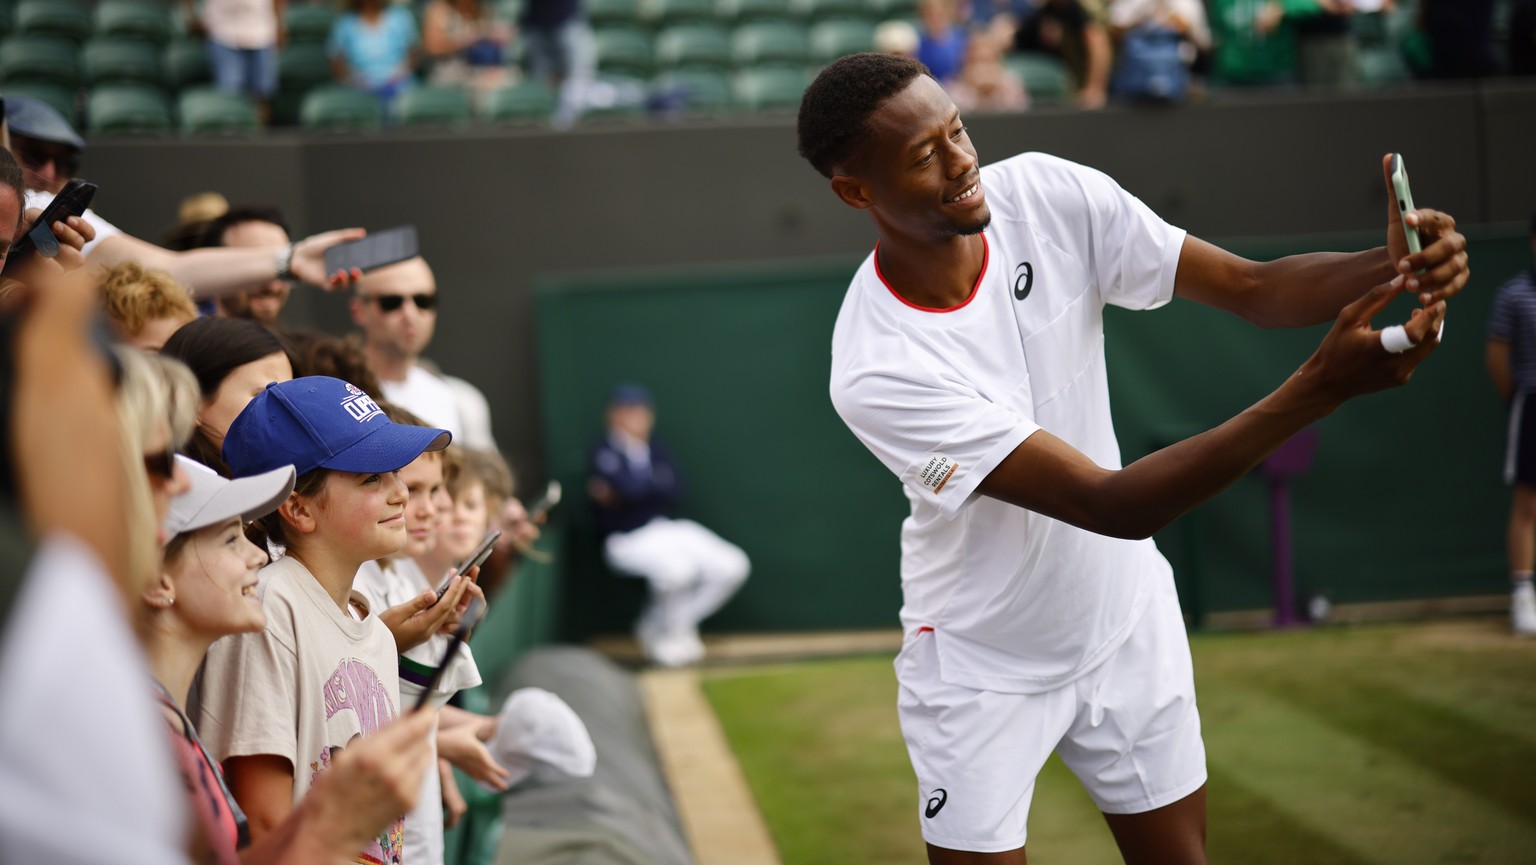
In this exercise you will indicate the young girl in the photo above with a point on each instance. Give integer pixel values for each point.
(205, 591)
(276, 706)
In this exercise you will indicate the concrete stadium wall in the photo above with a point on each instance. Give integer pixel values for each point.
(500, 209)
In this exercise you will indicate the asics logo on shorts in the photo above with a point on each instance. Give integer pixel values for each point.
(936, 803)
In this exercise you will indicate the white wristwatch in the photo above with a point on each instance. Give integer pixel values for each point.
(284, 261)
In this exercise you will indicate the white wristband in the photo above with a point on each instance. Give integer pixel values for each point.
(1395, 339)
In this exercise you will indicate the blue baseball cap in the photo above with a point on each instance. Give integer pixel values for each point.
(34, 118)
(320, 422)
(629, 394)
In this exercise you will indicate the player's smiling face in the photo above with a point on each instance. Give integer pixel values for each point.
(918, 174)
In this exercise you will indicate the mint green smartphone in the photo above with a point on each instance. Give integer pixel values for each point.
(1404, 201)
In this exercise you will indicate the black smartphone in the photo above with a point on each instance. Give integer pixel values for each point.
(72, 200)
(379, 248)
(472, 615)
(545, 502)
(473, 560)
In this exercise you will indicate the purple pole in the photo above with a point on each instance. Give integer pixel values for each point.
(1290, 459)
(1280, 541)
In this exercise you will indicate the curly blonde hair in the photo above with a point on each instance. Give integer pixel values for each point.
(133, 295)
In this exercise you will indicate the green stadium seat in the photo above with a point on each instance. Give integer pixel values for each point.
(665, 13)
(770, 43)
(309, 24)
(1382, 66)
(707, 91)
(210, 111)
(60, 19)
(1046, 79)
(39, 60)
(1370, 28)
(770, 88)
(186, 64)
(623, 51)
(509, 11)
(885, 10)
(833, 39)
(618, 98)
(527, 102)
(693, 46)
(129, 19)
(613, 13)
(127, 109)
(340, 109)
(433, 106)
(830, 10)
(118, 61)
(745, 11)
(62, 99)
(302, 67)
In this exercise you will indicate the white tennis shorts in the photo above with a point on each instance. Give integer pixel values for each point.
(1128, 729)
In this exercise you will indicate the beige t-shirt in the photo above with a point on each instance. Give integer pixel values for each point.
(303, 688)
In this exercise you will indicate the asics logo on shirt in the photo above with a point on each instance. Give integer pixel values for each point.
(1023, 280)
(936, 803)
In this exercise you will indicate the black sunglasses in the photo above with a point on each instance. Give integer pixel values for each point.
(161, 465)
(36, 154)
(392, 302)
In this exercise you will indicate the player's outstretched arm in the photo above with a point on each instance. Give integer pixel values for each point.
(1302, 290)
(1046, 475)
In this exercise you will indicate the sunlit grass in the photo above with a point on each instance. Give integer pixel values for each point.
(1387, 744)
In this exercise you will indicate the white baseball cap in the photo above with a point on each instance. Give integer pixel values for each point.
(211, 499)
(538, 734)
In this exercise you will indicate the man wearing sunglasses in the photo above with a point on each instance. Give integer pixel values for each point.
(49, 150)
(396, 307)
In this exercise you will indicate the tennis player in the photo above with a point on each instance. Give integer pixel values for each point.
(968, 357)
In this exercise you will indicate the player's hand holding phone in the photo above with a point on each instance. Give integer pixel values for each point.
(1437, 271)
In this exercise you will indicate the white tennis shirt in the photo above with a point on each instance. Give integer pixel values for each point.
(1019, 602)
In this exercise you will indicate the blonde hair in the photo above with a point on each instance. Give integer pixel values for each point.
(154, 391)
(486, 468)
(133, 295)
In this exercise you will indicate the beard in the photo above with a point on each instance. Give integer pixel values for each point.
(972, 230)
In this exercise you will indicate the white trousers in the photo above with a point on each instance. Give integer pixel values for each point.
(691, 570)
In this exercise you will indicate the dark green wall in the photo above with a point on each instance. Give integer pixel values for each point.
(1404, 499)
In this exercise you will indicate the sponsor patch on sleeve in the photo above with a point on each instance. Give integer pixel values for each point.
(937, 471)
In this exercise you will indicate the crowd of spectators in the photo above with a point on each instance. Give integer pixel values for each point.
(265, 551)
(448, 62)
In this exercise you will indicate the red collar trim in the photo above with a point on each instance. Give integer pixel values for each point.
(986, 258)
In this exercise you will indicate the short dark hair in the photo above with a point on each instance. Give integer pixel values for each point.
(213, 235)
(835, 110)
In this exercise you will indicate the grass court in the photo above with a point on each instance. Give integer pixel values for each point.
(1359, 745)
